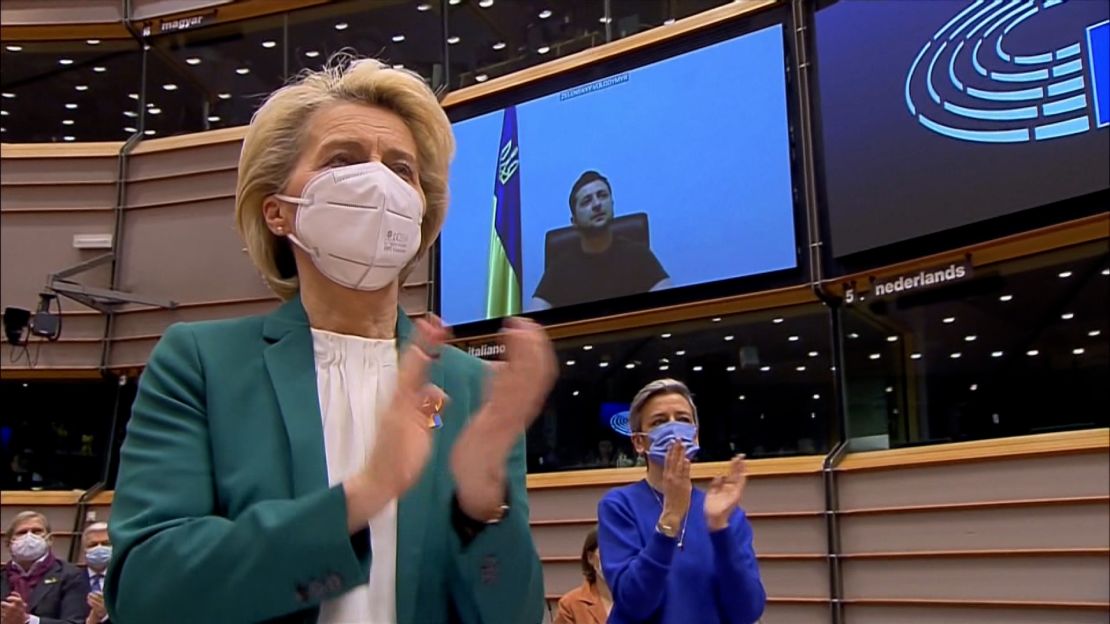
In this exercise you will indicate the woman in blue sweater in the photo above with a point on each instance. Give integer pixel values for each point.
(671, 553)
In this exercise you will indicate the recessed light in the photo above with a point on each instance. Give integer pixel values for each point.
(133, 96)
(603, 364)
(129, 129)
(668, 21)
(481, 78)
(1065, 274)
(665, 336)
(543, 49)
(192, 60)
(716, 319)
(269, 44)
(853, 335)
(730, 338)
(453, 2)
(793, 338)
(874, 356)
(544, 14)
(341, 26)
(605, 20)
(453, 39)
(764, 369)
(67, 122)
(14, 48)
(485, 4)
(664, 367)
(630, 365)
(971, 338)
(800, 369)
(680, 352)
(777, 320)
(956, 355)
(3, 113)
(575, 393)
(169, 86)
(587, 347)
(697, 369)
(243, 71)
(71, 106)
(69, 138)
(997, 354)
(213, 118)
(500, 45)
(8, 95)
(742, 397)
(154, 110)
(812, 354)
(973, 387)
(65, 61)
(423, 6)
(571, 362)
(92, 41)
(1067, 316)
(81, 87)
(1032, 352)
(948, 320)
(398, 38)
(312, 53)
(399, 66)
(1005, 298)
(889, 389)
(730, 369)
(915, 356)
(1078, 351)
(224, 96)
(100, 69)
(1106, 271)
(1094, 332)
(892, 338)
(816, 397)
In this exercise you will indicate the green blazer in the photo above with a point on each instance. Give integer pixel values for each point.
(222, 509)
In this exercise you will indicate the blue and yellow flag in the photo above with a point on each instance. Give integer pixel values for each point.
(506, 268)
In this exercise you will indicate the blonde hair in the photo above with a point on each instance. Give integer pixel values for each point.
(22, 517)
(275, 139)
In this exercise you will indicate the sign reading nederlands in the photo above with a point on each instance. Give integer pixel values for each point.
(920, 280)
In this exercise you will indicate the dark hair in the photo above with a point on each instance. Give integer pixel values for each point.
(588, 547)
(583, 180)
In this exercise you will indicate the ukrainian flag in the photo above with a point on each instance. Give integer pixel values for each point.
(506, 269)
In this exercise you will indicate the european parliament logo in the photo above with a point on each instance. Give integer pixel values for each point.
(971, 82)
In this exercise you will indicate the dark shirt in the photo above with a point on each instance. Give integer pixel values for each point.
(574, 276)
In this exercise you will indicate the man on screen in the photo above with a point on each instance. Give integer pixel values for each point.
(603, 264)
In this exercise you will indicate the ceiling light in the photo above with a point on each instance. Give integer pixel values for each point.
(69, 138)
(853, 335)
(816, 397)
(1106, 271)
(169, 87)
(453, 39)
(730, 338)
(14, 48)
(341, 26)
(67, 122)
(603, 364)
(544, 14)
(997, 354)
(665, 336)
(92, 41)
(973, 387)
(889, 389)
(8, 95)
(269, 44)
(1005, 298)
(680, 352)
(874, 356)
(742, 397)
(399, 66)
(1067, 316)
(243, 71)
(65, 61)
(764, 368)
(481, 78)
(956, 355)
(81, 87)
(948, 320)
(154, 110)
(311, 53)
(1065, 274)
(668, 21)
(398, 38)
(3, 113)
(224, 96)
(500, 45)
(630, 365)
(571, 362)
(1078, 351)
(100, 69)
(915, 356)
(716, 319)
(213, 118)
(453, 2)
(1094, 332)
(892, 338)
(133, 96)
(971, 338)
(777, 320)
(1032, 352)
(587, 347)
(664, 367)
(812, 354)
(575, 393)
(485, 4)
(697, 369)
(129, 129)
(71, 106)
(730, 369)
(423, 6)
(664, 360)
(793, 339)
(543, 49)
(605, 20)
(800, 368)
(192, 60)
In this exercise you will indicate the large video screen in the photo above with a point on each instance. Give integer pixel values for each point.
(667, 175)
(941, 113)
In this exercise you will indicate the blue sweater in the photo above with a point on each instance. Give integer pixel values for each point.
(713, 579)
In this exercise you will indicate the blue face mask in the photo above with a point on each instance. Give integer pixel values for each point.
(663, 436)
(98, 556)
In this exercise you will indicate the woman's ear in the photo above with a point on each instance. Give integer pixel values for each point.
(277, 215)
(640, 443)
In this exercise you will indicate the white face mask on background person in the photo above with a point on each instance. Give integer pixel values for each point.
(29, 547)
(360, 224)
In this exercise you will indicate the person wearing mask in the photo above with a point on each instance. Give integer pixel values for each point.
(332, 461)
(36, 586)
(590, 602)
(98, 552)
(672, 553)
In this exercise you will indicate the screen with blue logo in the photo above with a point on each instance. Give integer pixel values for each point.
(941, 113)
(684, 161)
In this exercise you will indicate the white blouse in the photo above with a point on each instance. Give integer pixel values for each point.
(356, 377)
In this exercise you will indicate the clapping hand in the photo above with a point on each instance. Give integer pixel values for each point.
(13, 610)
(724, 493)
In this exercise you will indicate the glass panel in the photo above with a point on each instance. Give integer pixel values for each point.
(68, 90)
(628, 17)
(1020, 348)
(762, 383)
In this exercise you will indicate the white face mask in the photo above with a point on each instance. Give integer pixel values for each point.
(360, 224)
(29, 547)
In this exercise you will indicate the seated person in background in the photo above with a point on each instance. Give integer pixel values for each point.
(590, 602)
(603, 265)
(98, 552)
(675, 554)
(37, 587)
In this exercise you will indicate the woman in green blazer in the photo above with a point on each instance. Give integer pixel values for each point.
(331, 461)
